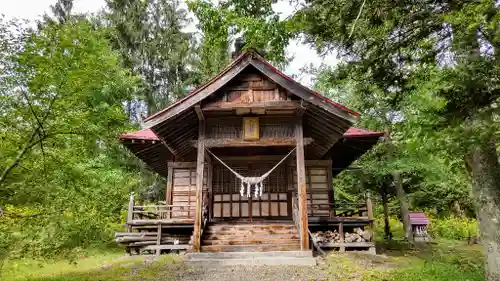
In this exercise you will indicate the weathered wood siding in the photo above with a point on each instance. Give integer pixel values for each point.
(319, 187)
(250, 86)
(184, 189)
(232, 127)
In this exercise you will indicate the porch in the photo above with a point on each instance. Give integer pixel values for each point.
(164, 228)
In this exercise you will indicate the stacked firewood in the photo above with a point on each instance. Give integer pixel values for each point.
(333, 236)
(138, 239)
(325, 237)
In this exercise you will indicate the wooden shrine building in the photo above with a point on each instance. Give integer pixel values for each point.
(249, 159)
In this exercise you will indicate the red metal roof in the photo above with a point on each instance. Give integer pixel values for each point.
(357, 132)
(147, 134)
(418, 218)
(258, 57)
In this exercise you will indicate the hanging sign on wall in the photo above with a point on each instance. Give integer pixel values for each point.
(251, 128)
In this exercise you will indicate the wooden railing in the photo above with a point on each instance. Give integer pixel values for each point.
(342, 209)
(157, 212)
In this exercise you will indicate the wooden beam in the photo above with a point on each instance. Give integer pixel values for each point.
(318, 163)
(262, 142)
(199, 112)
(200, 168)
(266, 105)
(301, 183)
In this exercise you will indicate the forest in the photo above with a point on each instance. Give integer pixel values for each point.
(426, 73)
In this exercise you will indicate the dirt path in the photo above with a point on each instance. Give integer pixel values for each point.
(254, 273)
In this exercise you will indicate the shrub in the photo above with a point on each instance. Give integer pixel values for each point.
(449, 227)
(453, 228)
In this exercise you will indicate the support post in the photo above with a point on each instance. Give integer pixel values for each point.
(168, 191)
(200, 163)
(130, 214)
(158, 240)
(369, 206)
(301, 184)
(342, 241)
(369, 210)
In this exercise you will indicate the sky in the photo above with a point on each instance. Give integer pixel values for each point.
(302, 54)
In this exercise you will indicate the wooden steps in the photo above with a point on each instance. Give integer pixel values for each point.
(302, 258)
(248, 237)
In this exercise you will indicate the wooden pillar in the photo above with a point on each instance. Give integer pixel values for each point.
(369, 210)
(200, 163)
(341, 234)
(369, 206)
(168, 191)
(158, 240)
(301, 184)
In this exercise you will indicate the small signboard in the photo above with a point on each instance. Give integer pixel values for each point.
(251, 128)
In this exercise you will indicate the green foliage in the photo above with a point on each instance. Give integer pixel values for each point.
(151, 39)
(453, 228)
(64, 176)
(91, 265)
(254, 21)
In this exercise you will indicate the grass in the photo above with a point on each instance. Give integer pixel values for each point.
(96, 266)
(445, 260)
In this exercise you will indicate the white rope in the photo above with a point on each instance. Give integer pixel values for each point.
(251, 181)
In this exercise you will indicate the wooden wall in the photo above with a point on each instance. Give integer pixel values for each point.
(181, 188)
(249, 87)
(232, 127)
(276, 201)
(319, 186)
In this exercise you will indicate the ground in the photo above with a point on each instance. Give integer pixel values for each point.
(445, 260)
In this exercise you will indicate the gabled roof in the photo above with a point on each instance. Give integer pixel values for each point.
(236, 67)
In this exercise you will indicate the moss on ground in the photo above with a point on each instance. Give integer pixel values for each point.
(104, 266)
(446, 260)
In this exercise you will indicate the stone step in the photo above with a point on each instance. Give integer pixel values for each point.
(240, 255)
(250, 248)
(305, 261)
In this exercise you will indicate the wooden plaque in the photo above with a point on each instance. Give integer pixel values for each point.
(251, 128)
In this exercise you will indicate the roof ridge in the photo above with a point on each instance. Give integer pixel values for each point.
(258, 57)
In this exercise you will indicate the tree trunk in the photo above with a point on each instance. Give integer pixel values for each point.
(400, 192)
(483, 161)
(387, 227)
(403, 202)
(457, 209)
